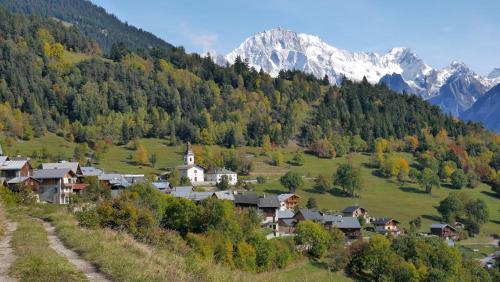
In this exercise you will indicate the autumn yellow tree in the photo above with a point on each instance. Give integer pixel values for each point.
(141, 154)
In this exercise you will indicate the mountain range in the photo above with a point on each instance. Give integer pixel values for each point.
(455, 88)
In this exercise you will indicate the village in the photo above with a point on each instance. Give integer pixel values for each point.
(55, 183)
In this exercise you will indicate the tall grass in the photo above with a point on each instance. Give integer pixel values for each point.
(122, 258)
(36, 261)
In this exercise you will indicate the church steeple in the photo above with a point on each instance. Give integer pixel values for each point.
(189, 156)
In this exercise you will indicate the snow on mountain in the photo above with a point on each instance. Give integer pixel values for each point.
(279, 49)
(455, 88)
(495, 73)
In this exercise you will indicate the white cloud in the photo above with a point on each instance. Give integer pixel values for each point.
(204, 41)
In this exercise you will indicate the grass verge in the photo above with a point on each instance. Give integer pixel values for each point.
(36, 261)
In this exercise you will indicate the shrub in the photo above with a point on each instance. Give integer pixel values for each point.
(88, 218)
(458, 179)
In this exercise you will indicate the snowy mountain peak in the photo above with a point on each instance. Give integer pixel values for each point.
(280, 49)
(495, 73)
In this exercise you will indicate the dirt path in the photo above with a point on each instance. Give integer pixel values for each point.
(7, 256)
(87, 268)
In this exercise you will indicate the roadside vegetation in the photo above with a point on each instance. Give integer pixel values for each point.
(36, 261)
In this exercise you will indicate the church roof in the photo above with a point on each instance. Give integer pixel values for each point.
(220, 170)
(186, 167)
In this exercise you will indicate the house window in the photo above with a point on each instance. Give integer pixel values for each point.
(195, 178)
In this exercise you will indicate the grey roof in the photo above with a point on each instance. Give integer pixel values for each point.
(13, 165)
(285, 214)
(134, 178)
(288, 221)
(200, 196)
(20, 179)
(3, 159)
(91, 171)
(247, 199)
(161, 185)
(110, 176)
(283, 197)
(383, 221)
(50, 173)
(311, 214)
(269, 202)
(224, 195)
(441, 226)
(71, 165)
(182, 192)
(342, 222)
(351, 209)
(220, 170)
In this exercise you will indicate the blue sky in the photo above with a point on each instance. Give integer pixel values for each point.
(439, 31)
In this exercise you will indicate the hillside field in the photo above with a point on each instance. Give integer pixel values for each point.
(381, 196)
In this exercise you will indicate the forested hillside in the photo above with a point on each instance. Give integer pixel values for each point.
(61, 83)
(92, 20)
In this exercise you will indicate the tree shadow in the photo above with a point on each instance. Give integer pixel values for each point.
(491, 194)
(432, 217)
(340, 193)
(368, 165)
(495, 221)
(412, 190)
(313, 191)
(274, 191)
(378, 173)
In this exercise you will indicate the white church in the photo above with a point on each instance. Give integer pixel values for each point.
(196, 174)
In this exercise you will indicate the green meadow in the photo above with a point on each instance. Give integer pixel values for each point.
(381, 196)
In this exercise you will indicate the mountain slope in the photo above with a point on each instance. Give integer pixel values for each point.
(454, 87)
(278, 49)
(486, 110)
(91, 19)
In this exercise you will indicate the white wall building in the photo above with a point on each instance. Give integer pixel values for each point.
(216, 174)
(194, 172)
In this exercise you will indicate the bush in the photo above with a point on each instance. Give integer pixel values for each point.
(261, 179)
(88, 218)
(458, 179)
(245, 257)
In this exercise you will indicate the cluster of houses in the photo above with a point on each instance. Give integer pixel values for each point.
(56, 182)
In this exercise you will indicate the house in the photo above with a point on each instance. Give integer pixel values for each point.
(113, 181)
(349, 225)
(269, 206)
(286, 222)
(90, 171)
(3, 181)
(458, 225)
(190, 170)
(216, 174)
(249, 200)
(444, 230)
(73, 166)
(224, 195)
(288, 201)
(56, 185)
(307, 214)
(355, 211)
(134, 178)
(162, 186)
(14, 168)
(182, 191)
(24, 181)
(386, 225)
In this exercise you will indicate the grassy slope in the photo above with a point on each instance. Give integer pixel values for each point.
(36, 261)
(141, 263)
(381, 196)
